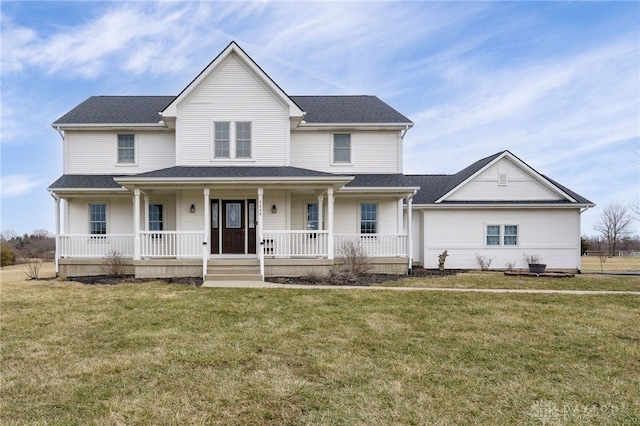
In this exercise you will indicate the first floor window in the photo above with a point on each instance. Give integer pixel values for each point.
(221, 139)
(493, 235)
(243, 139)
(156, 217)
(511, 235)
(368, 218)
(97, 219)
(341, 148)
(312, 217)
(505, 235)
(126, 149)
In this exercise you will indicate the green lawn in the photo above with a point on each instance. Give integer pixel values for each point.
(167, 354)
(487, 279)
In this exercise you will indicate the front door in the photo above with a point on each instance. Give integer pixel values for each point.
(233, 227)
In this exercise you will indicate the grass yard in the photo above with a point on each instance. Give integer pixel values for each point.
(611, 264)
(167, 354)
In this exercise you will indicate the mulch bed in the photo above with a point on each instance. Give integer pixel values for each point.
(542, 274)
(130, 279)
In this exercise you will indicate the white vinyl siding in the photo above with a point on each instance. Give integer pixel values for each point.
(119, 215)
(95, 152)
(516, 184)
(370, 152)
(550, 233)
(232, 93)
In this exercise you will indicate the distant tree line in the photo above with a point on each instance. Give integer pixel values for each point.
(16, 248)
(614, 231)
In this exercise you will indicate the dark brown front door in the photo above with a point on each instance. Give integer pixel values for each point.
(233, 227)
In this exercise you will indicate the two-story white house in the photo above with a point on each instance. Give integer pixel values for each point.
(234, 175)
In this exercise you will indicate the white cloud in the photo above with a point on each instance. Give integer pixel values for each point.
(19, 184)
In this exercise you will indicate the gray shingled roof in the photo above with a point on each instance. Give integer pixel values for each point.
(348, 109)
(145, 109)
(116, 110)
(232, 172)
(85, 182)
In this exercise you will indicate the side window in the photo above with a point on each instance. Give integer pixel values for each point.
(493, 235)
(221, 139)
(341, 148)
(97, 219)
(511, 235)
(368, 218)
(156, 217)
(243, 139)
(126, 149)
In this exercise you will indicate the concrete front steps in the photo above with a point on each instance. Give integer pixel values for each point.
(231, 270)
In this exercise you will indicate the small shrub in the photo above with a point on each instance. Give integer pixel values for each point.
(532, 258)
(484, 262)
(114, 264)
(32, 268)
(341, 275)
(314, 276)
(353, 256)
(511, 265)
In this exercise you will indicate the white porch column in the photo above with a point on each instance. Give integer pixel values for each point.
(207, 232)
(400, 215)
(320, 215)
(57, 213)
(260, 230)
(136, 224)
(330, 223)
(145, 224)
(410, 230)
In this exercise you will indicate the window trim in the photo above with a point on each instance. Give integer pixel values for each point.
(135, 150)
(376, 221)
(233, 141)
(333, 150)
(502, 235)
(106, 218)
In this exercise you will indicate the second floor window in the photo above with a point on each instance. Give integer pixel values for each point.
(221, 139)
(243, 139)
(126, 149)
(341, 148)
(97, 219)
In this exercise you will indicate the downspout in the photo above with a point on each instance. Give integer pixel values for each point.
(404, 132)
(57, 128)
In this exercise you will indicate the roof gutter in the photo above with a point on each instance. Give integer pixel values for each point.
(404, 132)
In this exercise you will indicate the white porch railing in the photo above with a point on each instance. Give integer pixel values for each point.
(171, 244)
(295, 243)
(375, 245)
(90, 245)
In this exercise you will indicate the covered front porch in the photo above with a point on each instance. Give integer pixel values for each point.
(287, 225)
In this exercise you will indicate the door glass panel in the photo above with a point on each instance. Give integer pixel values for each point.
(214, 214)
(252, 214)
(234, 215)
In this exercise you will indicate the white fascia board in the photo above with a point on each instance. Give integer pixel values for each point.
(109, 126)
(233, 180)
(121, 190)
(360, 126)
(402, 190)
(493, 206)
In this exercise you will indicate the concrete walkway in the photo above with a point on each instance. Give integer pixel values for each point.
(258, 284)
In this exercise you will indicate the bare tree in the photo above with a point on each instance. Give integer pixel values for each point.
(614, 225)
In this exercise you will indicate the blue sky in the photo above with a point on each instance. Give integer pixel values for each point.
(556, 83)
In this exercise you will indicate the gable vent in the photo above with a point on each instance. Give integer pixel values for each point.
(502, 179)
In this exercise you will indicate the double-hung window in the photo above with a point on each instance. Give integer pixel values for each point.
(243, 139)
(222, 140)
(341, 148)
(368, 218)
(126, 149)
(502, 235)
(312, 217)
(156, 217)
(97, 219)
